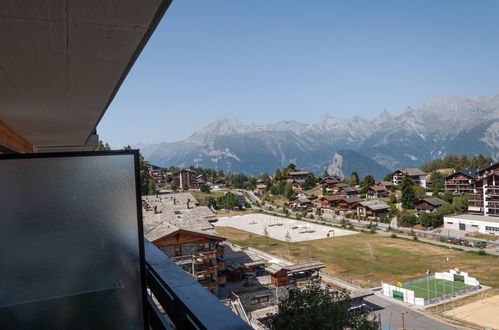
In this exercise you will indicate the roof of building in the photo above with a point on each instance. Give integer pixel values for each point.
(184, 170)
(303, 200)
(299, 173)
(378, 188)
(353, 199)
(491, 167)
(174, 215)
(333, 198)
(386, 183)
(305, 266)
(375, 204)
(411, 171)
(435, 201)
(475, 217)
(261, 186)
(273, 268)
(470, 173)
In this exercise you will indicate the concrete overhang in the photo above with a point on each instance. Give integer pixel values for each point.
(62, 62)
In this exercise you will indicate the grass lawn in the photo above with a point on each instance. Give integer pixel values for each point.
(435, 288)
(202, 197)
(368, 259)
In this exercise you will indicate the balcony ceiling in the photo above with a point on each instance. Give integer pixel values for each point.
(62, 62)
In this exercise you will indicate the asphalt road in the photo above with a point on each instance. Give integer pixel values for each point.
(391, 316)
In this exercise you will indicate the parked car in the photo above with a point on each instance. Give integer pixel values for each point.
(464, 242)
(480, 244)
(453, 240)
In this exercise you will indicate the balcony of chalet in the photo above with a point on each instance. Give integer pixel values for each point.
(73, 251)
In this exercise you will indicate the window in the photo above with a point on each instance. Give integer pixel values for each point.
(494, 229)
(449, 222)
(177, 251)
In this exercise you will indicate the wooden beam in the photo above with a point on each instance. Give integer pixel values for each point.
(12, 141)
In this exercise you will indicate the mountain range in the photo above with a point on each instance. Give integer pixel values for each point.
(442, 126)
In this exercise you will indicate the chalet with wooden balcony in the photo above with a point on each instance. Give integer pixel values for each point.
(299, 175)
(348, 191)
(185, 179)
(377, 192)
(349, 203)
(428, 205)
(372, 208)
(191, 242)
(329, 201)
(418, 176)
(461, 182)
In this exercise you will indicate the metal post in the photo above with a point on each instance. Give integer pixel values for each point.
(403, 321)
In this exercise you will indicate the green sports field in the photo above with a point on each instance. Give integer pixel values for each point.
(435, 288)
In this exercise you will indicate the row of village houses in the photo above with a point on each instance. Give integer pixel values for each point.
(480, 185)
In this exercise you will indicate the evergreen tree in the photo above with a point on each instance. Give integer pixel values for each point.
(408, 195)
(367, 182)
(355, 178)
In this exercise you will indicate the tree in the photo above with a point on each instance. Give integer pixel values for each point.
(419, 191)
(289, 192)
(205, 188)
(367, 182)
(355, 178)
(437, 180)
(278, 175)
(389, 177)
(228, 201)
(325, 174)
(408, 195)
(393, 199)
(309, 183)
(315, 308)
(447, 196)
(102, 146)
(238, 180)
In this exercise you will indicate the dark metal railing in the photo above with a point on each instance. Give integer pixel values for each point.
(186, 304)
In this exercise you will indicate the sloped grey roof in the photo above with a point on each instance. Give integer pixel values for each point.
(411, 171)
(305, 266)
(435, 201)
(375, 204)
(274, 268)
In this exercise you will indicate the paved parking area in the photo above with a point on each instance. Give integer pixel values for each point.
(278, 228)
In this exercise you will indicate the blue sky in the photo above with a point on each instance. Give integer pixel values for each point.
(267, 60)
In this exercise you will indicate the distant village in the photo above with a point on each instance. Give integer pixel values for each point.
(179, 218)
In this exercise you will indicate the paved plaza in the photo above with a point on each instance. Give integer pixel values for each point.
(278, 227)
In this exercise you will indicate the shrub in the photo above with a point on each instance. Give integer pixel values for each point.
(414, 238)
(393, 236)
(482, 253)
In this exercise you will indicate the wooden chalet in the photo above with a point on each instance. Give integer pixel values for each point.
(348, 191)
(260, 189)
(372, 208)
(377, 192)
(461, 182)
(349, 203)
(278, 275)
(302, 204)
(299, 175)
(330, 201)
(428, 205)
(284, 275)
